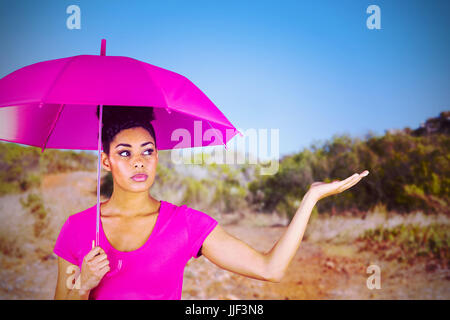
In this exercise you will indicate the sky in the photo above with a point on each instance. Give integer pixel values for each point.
(311, 69)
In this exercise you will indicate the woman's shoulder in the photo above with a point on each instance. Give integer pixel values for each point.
(171, 207)
(83, 216)
(185, 211)
(78, 225)
(180, 211)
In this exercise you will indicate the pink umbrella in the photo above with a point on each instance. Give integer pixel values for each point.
(53, 104)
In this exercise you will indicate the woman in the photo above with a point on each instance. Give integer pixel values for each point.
(145, 243)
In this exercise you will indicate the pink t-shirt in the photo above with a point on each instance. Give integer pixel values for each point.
(153, 271)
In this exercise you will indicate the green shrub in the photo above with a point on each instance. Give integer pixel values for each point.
(107, 185)
(195, 190)
(9, 247)
(34, 204)
(21, 166)
(406, 242)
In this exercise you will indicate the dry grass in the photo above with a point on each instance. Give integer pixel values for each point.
(345, 229)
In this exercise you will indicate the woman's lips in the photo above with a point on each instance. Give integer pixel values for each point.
(139, 177)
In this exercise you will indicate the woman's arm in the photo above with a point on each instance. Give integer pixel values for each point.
(66, 288)
(235, 255)
(279, 258)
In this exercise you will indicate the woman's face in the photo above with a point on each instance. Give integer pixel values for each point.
(132, 160)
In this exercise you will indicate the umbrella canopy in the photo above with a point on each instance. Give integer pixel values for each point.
(53, 104)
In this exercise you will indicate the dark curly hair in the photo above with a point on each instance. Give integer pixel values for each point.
(118, 118)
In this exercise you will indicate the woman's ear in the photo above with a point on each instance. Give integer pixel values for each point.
(105, 161)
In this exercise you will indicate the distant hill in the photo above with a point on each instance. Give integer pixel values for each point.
(432, 126)
(437, 125)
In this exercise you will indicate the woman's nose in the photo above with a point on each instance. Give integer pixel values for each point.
(138, 164)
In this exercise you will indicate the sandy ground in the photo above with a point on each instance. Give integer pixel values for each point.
(323, 268)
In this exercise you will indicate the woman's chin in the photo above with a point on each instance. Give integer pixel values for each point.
(139, 186)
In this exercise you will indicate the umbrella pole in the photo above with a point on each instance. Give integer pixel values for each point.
(97, 221)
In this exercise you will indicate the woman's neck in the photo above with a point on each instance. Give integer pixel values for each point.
(126, 203)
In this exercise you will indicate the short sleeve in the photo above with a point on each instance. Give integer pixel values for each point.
(199, 226)
(64, 243)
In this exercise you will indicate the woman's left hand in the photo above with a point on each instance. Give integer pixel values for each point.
(321, 190)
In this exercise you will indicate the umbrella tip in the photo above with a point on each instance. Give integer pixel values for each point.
(103, 48)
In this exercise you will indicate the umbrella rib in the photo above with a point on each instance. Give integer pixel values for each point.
(224, 143)
(224, 124)
(52, 127)
(151, 79)
(60, 72)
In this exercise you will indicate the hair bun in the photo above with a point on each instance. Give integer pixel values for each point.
(118, 118)
(113, 114)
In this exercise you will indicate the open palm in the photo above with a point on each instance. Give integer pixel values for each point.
(323, 189)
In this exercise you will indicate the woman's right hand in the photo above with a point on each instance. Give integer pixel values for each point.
(95, 266)
(321, 190)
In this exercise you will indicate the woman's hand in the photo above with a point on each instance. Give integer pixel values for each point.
(321, 190)
(95, 266)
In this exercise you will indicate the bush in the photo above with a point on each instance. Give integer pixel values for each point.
(34, 204)
(9, 247)
(21, 166)
(106, 185)
(407, 242)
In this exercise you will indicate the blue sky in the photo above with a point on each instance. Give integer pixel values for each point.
(311, 69)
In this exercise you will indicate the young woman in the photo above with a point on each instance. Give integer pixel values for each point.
(145, 243)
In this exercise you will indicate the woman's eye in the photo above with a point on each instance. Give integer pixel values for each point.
(149, 151)
(126, 153)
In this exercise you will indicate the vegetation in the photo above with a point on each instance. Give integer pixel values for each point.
(230, 192)
(407, 173)
(9, 247)
(34, 204)
(405, 243)
(22, 166)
